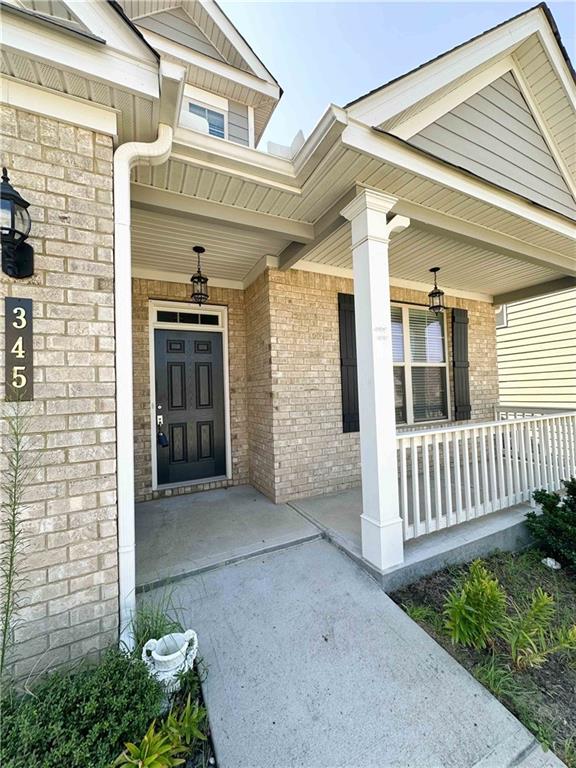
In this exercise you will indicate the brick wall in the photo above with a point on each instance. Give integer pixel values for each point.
(312, 454)
(260, 346)
(70, 604)
(142, 292)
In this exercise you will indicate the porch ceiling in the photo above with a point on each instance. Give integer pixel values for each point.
(163, 242)
(464, 267)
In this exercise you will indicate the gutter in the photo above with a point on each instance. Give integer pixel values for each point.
(126, 157)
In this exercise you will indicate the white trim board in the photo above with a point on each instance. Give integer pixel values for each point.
(64, 108)
(222, 327)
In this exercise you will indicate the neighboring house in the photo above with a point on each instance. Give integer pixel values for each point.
(132, 128)
(537, 352)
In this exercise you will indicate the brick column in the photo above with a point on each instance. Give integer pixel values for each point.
(382, 541)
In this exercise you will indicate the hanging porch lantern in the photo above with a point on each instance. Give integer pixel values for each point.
(199, 281)
(15, 223)
(436, 295)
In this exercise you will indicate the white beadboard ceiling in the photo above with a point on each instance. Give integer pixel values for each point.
(162, 241)
(463, 267)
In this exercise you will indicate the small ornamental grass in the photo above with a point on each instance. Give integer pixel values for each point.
(80, 719)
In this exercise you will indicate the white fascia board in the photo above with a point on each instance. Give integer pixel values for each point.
(413, 125)
(409, 90)
(236, 39)
(327, 269)
(99, 62)
(60, 107)
(227, 157)
(557, 60)
(238, 76)
(377, 144)
(151, 197)
(105, 22)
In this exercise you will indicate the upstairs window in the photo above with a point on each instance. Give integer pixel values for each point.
(216, 120)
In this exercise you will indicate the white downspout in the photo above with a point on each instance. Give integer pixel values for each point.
(125, 158)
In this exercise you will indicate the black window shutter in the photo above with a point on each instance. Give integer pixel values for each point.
(461, 366)
(348, 366)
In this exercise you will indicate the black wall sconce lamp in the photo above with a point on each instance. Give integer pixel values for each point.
(15, 223)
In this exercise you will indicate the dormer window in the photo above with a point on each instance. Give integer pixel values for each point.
(216, 120)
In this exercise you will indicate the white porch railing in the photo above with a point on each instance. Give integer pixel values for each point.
(454, 474)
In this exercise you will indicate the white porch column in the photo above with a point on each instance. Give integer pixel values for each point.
(382, 540)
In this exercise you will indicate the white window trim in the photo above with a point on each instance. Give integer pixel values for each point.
(407, 365)
(212, 309)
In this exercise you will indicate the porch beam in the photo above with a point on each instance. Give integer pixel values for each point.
(151, 198)
(542, 289)
(381, 524)
(327, 224)
(482, 237)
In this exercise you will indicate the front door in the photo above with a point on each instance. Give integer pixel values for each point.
(190, 425)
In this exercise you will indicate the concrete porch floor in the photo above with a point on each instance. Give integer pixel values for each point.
(184, 535)
(180, 535)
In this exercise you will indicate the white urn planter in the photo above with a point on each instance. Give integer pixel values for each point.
(169, 656)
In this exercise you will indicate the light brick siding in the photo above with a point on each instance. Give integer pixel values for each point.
(284, 357)
(142, 292)
(70, 599)
(261, 406)
(312, 454)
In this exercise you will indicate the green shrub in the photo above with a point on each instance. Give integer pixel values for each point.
(529, 634)
(554, 530)
(475, 609)
(81, 719)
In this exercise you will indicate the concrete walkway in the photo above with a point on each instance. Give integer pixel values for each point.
(312, 665)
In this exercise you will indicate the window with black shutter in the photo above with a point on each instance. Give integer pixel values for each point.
(348, 367)
(461, 365)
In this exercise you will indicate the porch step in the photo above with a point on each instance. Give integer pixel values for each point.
(165, 581)
(504, 530)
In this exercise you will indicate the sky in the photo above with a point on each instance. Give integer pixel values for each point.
(325, 53)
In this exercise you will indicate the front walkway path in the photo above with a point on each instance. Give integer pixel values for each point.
(312, 665)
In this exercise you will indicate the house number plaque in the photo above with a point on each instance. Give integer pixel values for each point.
(19, 356)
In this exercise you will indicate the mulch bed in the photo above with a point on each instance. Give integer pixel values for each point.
(545, 699)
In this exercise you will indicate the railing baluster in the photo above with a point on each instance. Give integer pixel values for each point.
(508, 462)
(437, 482)
(495, 498)
(456, 445)
(515, 468)
(486, 506)
(467, 487)
(523, 490)
(404, 509)
(415, 485)
(427, 496)
(500, 460)
(447, 478)
(545, 456)
(476, 473)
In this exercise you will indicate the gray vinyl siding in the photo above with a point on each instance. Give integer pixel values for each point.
(176, 25)
(238, 123)
(494, 135)
(537, 352)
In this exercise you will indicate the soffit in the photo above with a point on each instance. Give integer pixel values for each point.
(463, 266)
(163, 241)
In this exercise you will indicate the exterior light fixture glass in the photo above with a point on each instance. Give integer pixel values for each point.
(436, 296)
(15, 223)
(199, 281)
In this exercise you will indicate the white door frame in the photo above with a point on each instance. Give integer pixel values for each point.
(211, 309)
